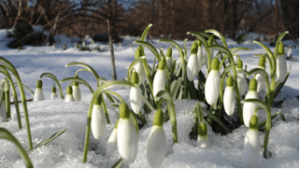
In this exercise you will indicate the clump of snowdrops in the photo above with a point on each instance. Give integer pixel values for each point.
(226, 89)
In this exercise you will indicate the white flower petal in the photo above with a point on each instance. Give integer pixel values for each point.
(98, 123)
(38, 94)
(112, 142)
(53, 95)
(156, 146)
(212, 87)
(281, 68)
(203, 141)
(229, 100)
(69, 98)
(251, 150)
(192, 67)
(127, 140)
(241, 81)
(249, 108)
(139, 68)
(261, 82)
(136, 99)
(200, 58)
(159, 81)
(76, 93)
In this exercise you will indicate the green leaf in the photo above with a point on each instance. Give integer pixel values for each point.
(144, 35)
(199, 36)
(118, 164)
(216, 119)
(220, 48)
(281, 36)
(26, 87)
(5, 134)
(79, 80)
(50, 75)
(219, 35)
(258, 102)
(232, 50)
(150, 47)
(269, 52)
(51, 138)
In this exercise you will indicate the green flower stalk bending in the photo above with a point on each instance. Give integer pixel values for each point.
(14, 93)
(10, 67)
(192, 65)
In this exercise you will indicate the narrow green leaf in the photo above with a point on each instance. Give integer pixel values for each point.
(269, 52)
(5, 134)
(220, 48)
(144, 35)
(280, 85)
(26, 87)
(281, 36)
(199, 36)
(51, 138)
(219, 35)
(174, 44)
(118, 164)
(150, 47)
(232, 50)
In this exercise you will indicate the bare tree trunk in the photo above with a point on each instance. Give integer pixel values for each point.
(112, 56)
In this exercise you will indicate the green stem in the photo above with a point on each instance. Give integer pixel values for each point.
(53, 77)
(172, 115)
(9, 66)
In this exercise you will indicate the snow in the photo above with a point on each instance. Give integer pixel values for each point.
(50, 116)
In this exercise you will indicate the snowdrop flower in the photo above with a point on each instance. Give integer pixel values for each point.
(127, 138)
(249, 108)
(69, 96)
(289, 52)
(192, 65)
(112, 140)
(38, 94)
(241, 78)
(76, 92)
(53, 93)
(251, 144)
(261, 82)
(135, 94)
(98, 119)
(229, 97)
(139, 67)
(169, 58)
(281, 66)
(157, 142)
(212, 84)
(159, 78)
(202, 140)
(3, 114)
(200, 57)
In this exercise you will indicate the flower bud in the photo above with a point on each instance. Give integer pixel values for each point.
(249, 107)
(135, 94)
(98, 122)
(38, 94)
(69, 96)
(212, 84)
(159, 78)
(53, 93)
(229, 97)
(202, 140)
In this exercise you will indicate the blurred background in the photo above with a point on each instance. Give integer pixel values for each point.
(170, 18)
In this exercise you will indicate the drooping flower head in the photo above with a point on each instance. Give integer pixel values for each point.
(261, 83)
(251, 144)
(157, 143)
(200, 56)
(281, 66)
(38, 94)
(69, 96)
(126, 135)
(53, 93)
(192, 65)
(241, 78)
(139, 65)
(98, 119)
(249, 108)
(212, 84)
(135, 94)
(229, 97)
(159, 78)
(169, 58)
(76, 92)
